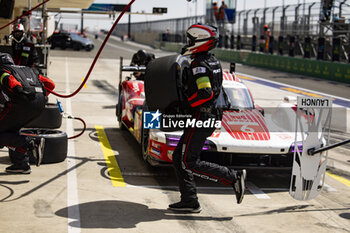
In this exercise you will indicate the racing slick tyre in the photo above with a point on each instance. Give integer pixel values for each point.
(118, 112)
(55, 149)
(164, 83)
(145, 144)
(118, 108)
(50, 118)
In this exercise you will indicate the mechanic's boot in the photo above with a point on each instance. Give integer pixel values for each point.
(36, 145)
(191, 207)
(22, 168)
(239, 185)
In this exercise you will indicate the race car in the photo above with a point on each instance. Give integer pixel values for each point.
(247, 137)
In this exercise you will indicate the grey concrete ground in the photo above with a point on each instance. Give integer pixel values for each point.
(77, 195)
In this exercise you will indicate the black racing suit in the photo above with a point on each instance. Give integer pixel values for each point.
(24, 53)
(204, 85)
(22, 90)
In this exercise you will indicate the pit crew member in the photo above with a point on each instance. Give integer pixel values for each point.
(204, 84)
(23, 49)
(23, 92)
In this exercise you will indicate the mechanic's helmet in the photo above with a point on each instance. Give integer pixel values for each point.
(6, 59)
(141, 55)
(142, 58)
(200, 38)
(18, 32)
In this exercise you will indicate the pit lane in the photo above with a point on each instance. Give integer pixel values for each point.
(78, 195)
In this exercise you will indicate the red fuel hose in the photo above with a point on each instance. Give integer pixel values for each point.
(97, 55)
(83, 130)
(92, 65)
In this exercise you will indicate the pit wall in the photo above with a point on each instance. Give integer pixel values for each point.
(333, 71)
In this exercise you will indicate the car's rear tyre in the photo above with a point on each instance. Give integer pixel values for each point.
(145, 144)
(144, 137)
(56, 143)
(121, 126)
(118, 112)
(118, 108)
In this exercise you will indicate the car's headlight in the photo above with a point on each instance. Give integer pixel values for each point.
(293, 147)
(172, 140)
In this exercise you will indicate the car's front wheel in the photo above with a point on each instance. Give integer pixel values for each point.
(119, 112)
(145, 144)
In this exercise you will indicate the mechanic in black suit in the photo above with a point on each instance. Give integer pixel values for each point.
(23, 49)
(141, 58)
(204, 84)
(23, 90)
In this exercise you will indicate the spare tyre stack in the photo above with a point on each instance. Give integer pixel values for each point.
(46, 126)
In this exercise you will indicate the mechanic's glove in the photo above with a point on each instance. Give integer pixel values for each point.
(24, 94)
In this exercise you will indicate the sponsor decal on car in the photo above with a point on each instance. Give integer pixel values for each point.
(246, 125)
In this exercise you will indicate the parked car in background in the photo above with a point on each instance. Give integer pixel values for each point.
(65, 40)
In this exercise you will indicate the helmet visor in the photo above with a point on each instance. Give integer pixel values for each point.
(17, 34)
(190, 40)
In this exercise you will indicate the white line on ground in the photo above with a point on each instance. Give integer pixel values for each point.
(288, 85)
(257, 192)
(72, 184)
(329, 188)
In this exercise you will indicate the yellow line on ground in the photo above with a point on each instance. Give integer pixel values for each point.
(296, 91)
(339, 178)
(244, 77)
(112, 165)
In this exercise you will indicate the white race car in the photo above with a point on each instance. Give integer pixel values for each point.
(246, 137)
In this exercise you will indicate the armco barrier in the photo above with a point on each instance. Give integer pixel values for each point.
(321, 69)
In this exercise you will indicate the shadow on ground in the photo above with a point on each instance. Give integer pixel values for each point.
(121, 214)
